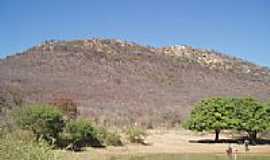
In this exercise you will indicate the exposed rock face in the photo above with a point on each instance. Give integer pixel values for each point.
(119, 82)
(217, 61)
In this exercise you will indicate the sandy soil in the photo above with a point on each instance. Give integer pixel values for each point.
(174, 141)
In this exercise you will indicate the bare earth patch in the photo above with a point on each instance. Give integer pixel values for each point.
(170, 141)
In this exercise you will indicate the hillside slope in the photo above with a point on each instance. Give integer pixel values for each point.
(119, 82)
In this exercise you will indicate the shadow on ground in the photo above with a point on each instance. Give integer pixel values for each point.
(239, 141)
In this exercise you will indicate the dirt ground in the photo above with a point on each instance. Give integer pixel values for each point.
(172, 141)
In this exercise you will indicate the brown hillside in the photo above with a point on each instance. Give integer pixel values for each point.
(119, 82)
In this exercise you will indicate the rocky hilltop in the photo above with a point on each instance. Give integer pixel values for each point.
(119, 82)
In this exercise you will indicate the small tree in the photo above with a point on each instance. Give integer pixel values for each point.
(252, 116)
(45, 121)
(211, 114)
(81, 133)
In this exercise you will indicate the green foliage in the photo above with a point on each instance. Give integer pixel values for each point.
(136, 135)
(21, 146)
(45, 121)
(211, 114)
(244, 114)
(109, 138)
(81, 133)
(251, 116)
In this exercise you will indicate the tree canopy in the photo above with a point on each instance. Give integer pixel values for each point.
(218, 113)
(211, 114)
(251, 116)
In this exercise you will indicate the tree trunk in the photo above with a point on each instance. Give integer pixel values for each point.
(217, 131)
(253, 136)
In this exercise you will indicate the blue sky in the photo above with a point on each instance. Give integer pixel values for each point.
(237, 27)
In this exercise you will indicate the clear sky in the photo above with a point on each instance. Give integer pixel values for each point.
(236, 27)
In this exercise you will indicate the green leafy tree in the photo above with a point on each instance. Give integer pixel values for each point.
(44, 120)
(251, 116)
(81, 133)
(211, 114)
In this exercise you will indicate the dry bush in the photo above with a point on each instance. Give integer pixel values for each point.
(67, 105)
(109, 138)
(119, 83)
(136, 135)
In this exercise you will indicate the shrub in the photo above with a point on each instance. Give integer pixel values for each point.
(109, 138)
(20, 146)
(136, 135)
(81, 133)
(45, 121)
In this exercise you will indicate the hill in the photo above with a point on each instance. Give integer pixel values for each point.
(118, 82)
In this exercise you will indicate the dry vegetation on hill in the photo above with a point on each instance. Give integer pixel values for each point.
(119, 83)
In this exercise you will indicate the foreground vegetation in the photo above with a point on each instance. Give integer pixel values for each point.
(21, 146)
(37, 131)
(32, 132)
(49, 123)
